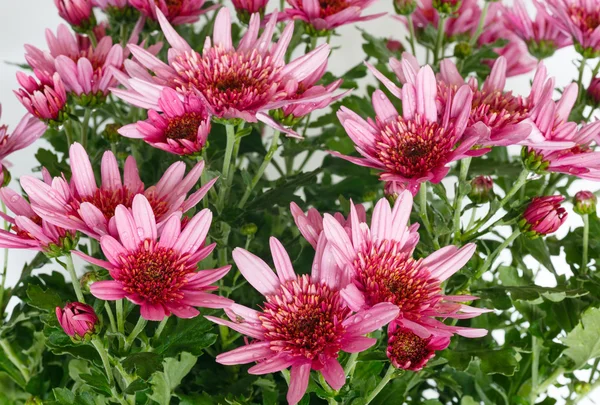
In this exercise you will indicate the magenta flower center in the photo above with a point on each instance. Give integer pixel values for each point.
(386, 274)
(413, 148)
(586, 20)
(230, 80)
(184, 127)
(497, 109)
(304, 319)
(154, 274)
(405, 347)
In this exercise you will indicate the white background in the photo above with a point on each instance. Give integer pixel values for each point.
(24, 22)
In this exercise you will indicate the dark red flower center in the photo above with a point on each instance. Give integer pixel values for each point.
(386, 274)
(155, 274)
(305, 319)
(185, 126)
(586, 20)
(173, 6)
(331, 7)
(407, 349)
(415, 147)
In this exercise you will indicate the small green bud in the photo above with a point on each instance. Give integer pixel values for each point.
(482, 190)
(249, 229)
(463, 50)
(533, 161)
(584, 203)
(405, 7)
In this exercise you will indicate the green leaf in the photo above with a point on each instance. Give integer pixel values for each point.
(64, 396)
(532, 292)
(163, 383)
(97, 380)
(11, 370)
(493, 361)
(144, 364)
(46, 300)
(584, 341)
(186, 335)
(536, 248)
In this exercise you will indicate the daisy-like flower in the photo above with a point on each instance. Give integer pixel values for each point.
(543, 35)
(243, 83)
(581, 20)
(176, 11)
(156, 268)
(78, 13)
(28, 130)
(78, 320)
(418, 145)
(557, 145)
(323, 16)
(379, 261)
(409, 351)
(543, 215)
(29, 231)
(43, 96)
(182, 128)
(80, 204)
(304, 321)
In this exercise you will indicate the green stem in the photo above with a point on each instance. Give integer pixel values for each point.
(120, 318)
(586, 237)
(580, 78)
(350, 364)
(92, 37)
(479, 30)
(489, 261)
(424, 216)
(139, 326)
(594, 368)
(521, 180)
(4, 268)
(226, 163)
(111, 318)
(14, 359)
(160, 328)
(439, 44)
(535, 354)
(386, 379)
(104, 356)
(411, 33)
(462, 178)
(84, 127)
(261, 169)
(74, 279)
(68, 132)
(550, 380)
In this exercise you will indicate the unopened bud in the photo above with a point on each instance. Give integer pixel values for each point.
(543, 215)
(249, 229)
(463, 50)
(482, 190)
(447, 7)
(584, 203)
(405, 7)
(78, 320)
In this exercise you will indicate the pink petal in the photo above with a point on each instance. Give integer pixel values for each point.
(194, 234)
(256, 271)
(107, 290)
(246, 354)
(298, 383)
(144, 218)
(334, 374)
(126, 228)
(282, 261)
(83, 174)
(357, 344)
(371, 319)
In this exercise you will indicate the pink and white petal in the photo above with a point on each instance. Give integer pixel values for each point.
(127, 228)
(83, 174)
(111, 178)
(442, 269)
(338, 237)
(144, 218)
(381, 222)
(204, 300)
(384, 109)
(281, 260)
(244, 328)
(246, 354)
(170, 232)
(334, 374)
(371, 319)
(94, 218)
(256, 271)
(222, 31)
(194, 234)
(299, 376)
(426, 93)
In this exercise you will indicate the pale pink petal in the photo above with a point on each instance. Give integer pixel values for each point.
(144, 218)
(107, 290)
(256, 271)
(282, 261)
(299, 376)
(334, 374)
(246, 354)
(83, 174)
(127, 229)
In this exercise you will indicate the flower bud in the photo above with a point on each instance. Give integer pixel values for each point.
(405, 7)
(582, 387)
(394, 46)
(482, 190)
(34, 401)
(541, 49)
(5, 177)
(584, 203)
(463, 50)
(249, 229)
(78, 13)
(78, 320)
(88, 279)
(543, 216)
(111, 133)
(593, 92)
(408, 351)
(533, 161)
(447, 7)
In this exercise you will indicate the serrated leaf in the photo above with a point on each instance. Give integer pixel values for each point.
(46, 300)
(186, 335)
(144, 364)
(493, 361)
(163, 383)
(583, 342)
(11, 370)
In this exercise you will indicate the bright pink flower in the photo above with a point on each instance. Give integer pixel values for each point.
(408, 351)
(304, 323)
(243, 83)
(418, 145)
(380, 264)
(78, 13)
(543, 35)
(182, 128)
(581, 20)
(45, 97)
(77, 319)
(176, 11)
(463, 23)
(558, 145)
(329, 14)
(250, 6)
(543, 215)
(80, 204)
(29, 231)
(156, 267)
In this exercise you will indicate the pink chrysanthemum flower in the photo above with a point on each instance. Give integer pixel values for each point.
(543, 35)
(176, 11)
(557, 145)
(379, 261)
(156, 268)
(80, 204)
(45, 97)
(78, 13)
(327, 15)
(182, 128)
(543, 215)
(418, 145)
(28, 130)
(409, 351)
(581, 20)
(304, 321)
(243, 83)
(77, 319)
(247, 7)
(29, 231)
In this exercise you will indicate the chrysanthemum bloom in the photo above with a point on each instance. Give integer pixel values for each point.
(182, 128)
(78, 13)
(482, 189)
(543, 215)
(324, 16)
(543, 35)
(380, 264)
(176, 11)
(78, 320)
(584, 203)
(418, 145)
(80, 204)
(243, 83)
(245, 8)
(408, 351)
(29, 231)
(557, 145)
(28, 130)
(45, 97)
(304, 321)
(581, 20)
(156, 267)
